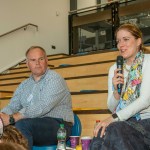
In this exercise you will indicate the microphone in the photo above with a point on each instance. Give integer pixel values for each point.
(120, 66)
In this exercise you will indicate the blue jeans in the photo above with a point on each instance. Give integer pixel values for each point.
(41, 131)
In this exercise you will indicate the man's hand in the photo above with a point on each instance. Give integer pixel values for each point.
(5, 118)
(102, 125)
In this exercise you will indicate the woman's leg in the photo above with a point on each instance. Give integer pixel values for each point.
(97, 142)
(120, 136)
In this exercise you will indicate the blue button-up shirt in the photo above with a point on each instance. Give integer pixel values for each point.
(48, 97)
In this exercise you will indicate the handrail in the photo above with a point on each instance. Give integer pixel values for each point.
(24, 26)
(98, 5)
(95, 6)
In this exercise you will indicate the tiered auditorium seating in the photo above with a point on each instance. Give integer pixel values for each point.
(86, 76)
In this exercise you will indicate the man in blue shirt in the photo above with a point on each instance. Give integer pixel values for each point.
(40, 103)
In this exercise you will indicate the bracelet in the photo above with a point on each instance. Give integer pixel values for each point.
(115, 117)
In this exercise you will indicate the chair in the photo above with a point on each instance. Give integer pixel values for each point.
(76, 131)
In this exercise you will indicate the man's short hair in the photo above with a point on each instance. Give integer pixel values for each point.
(33, 47)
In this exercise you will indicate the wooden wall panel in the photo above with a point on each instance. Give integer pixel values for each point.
(98, 100)
(9, 87)
(12, 81)
(3, 103)
(5, 94)
(85, 59)
(5, 76)
(85, 70)
(95, 83)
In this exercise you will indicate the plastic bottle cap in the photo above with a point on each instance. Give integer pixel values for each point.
(97, 121)
(62, 125)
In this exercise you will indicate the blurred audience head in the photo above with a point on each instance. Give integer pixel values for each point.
(11, 134)
(11, 146)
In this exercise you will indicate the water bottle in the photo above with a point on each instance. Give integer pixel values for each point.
(61, 137)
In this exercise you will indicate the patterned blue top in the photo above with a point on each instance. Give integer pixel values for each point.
(48, 97)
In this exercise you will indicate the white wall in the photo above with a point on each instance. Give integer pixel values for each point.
(85, 3)
(50, 15)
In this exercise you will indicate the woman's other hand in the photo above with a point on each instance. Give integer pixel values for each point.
(102, 126)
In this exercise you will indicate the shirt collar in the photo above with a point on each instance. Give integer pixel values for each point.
(31, 76)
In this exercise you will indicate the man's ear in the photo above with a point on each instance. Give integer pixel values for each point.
(27, 63)
(46, 59)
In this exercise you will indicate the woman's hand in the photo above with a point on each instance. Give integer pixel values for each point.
(103, 125)
(117, 79)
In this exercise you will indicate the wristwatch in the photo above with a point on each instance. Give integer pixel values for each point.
(115, 117)
(11, 120)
